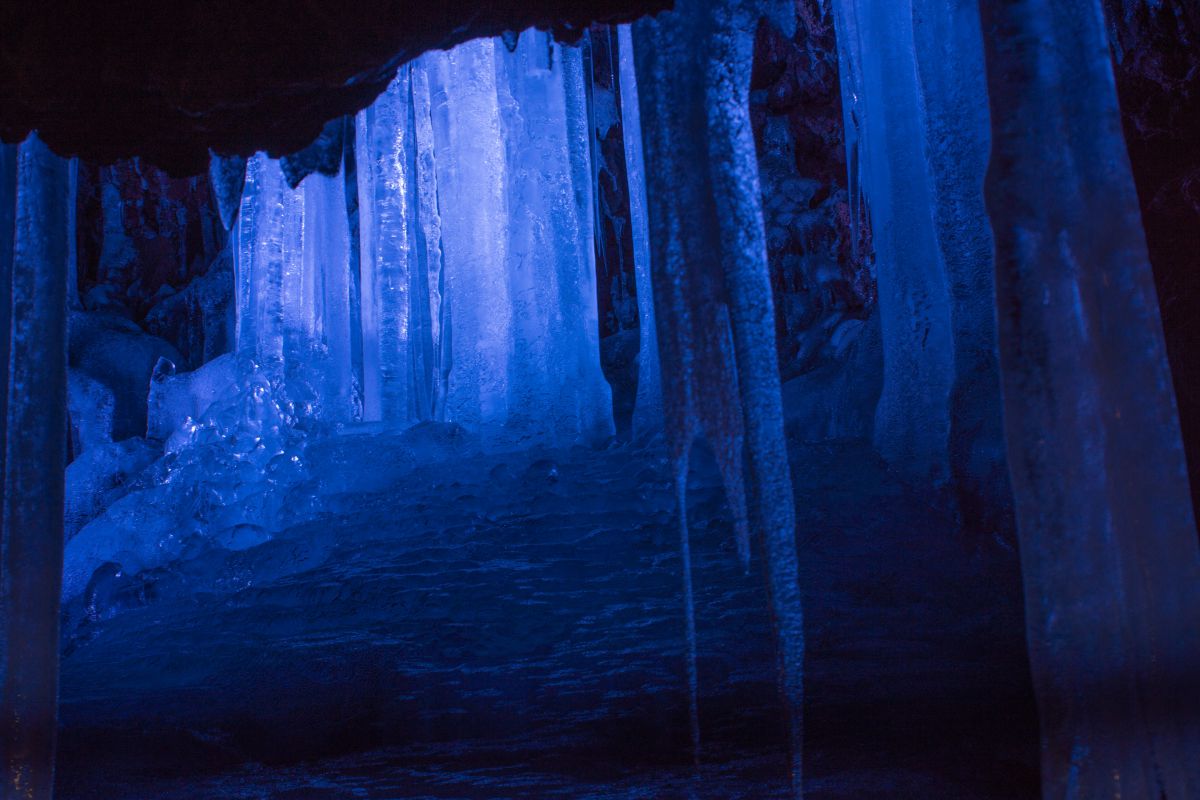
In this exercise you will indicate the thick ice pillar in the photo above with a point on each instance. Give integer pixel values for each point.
(1107, 536)
(517, 319)
(882, 92)
(647, 411)
(470, 169)
(35, 461)
(712, 291)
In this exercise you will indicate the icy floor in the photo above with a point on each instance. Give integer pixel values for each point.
(510, 627)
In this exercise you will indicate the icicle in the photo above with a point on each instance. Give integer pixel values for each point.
(227, 175)
(326, 263)
(474, 220)
(1108, 541)
(647, 412)
(387, 209)
(429, 241)
(712, 292)
(912, 421)
(72, 235)
(31, 527)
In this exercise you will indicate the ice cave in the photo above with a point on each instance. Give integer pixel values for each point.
(600, 399)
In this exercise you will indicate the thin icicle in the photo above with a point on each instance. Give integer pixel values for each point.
(712, 292)
(648, 410)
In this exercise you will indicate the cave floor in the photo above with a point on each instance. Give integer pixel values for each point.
(510, 626)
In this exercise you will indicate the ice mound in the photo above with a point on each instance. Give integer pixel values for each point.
(230, 478)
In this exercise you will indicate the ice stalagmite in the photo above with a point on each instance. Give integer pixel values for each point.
(647, 412)
(293, 281)
(31, 536)
(881, 90)
(1107, 536)
(712, 292)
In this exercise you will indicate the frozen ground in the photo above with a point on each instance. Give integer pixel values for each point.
(509, 626)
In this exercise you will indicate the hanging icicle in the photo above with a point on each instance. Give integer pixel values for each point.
(648, 410)
(35, 270)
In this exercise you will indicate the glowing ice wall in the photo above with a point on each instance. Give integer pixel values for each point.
(476, 223)
(292, 257)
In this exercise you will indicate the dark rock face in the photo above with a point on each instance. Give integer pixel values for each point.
(168, 81)
(146, 243)
(1156, 52)
(823, 279)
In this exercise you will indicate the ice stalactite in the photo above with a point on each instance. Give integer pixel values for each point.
(886, 131)
(949, 51)
(386, 164)
(1107, 534)
(916, 118)
(227, 175)
(293, 284)
(35, 460)
(712, 292)
(648, 410)
(476, 224)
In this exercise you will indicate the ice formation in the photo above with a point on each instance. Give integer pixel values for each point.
(647, 413)
(713, 299)
(1107, 534)
(34, 188)
(292, 272)
(916, 117)
(479, 296)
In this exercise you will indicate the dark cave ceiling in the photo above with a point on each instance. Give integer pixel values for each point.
(170, 80)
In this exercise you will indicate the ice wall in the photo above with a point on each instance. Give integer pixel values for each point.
(479, 298)
(34, 187)
(1108, 540)
(292, 275)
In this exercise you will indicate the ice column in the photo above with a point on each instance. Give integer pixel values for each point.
(34, 267)
(292, 257)
(712, 294)
(647, 412)
(1107, 536)
(881, 88)
(397, 337)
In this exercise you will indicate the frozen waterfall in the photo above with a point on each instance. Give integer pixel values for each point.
(479, 296)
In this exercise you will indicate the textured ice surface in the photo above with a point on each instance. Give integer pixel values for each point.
(292, 272)
(231, 475)
(479, 298)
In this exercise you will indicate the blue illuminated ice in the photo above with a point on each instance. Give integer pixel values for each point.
(476, 217)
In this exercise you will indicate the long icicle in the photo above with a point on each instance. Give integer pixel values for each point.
(32, 525)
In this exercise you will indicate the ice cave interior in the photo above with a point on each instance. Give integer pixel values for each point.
(606, 399)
